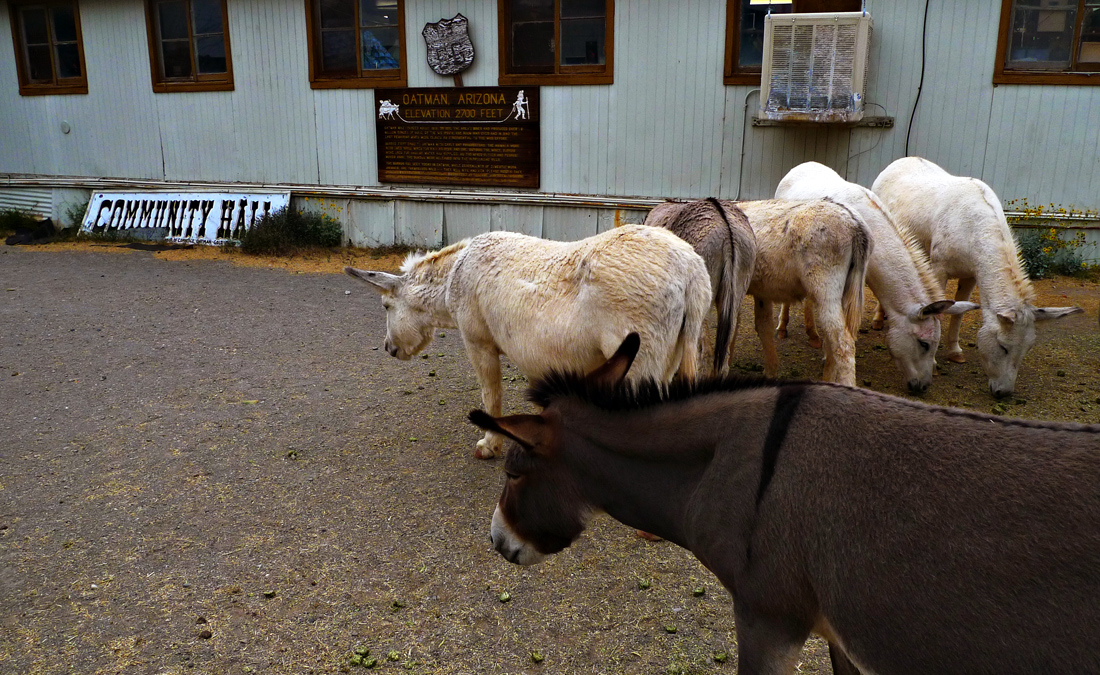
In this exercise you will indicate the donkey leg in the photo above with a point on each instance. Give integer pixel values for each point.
(766, 647)
(880, 317)
(954, 351)
(763, 314)
(842, 665)
(486, 362)
(839, 346)
(784, 319)
(811, 329)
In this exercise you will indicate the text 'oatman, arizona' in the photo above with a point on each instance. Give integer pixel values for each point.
(459, 136)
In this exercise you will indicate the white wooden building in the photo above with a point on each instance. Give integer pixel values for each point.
(660, 104)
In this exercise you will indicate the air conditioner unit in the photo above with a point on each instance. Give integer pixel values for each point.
(815, 67)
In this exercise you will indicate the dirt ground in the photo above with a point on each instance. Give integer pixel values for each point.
(214, 468)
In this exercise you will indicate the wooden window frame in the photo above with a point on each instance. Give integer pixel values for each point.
(1003, 75)
(732, 73)
(67, 86)
(387, 79)
(583, 74)
(199, 82)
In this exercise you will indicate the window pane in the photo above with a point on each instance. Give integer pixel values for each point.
(207, 16)
(64, 24)
(751, 38)
(378, 13)
(35, 31)
(381, 49)
(173, 20)
(583, 9)
(210, 54)
(68, 60)
(338, 51)
(177, 58)
(338, 14)
(533, 47)
(532, 10)
(1090, 33)
(1042, 38)
(38, 62)
(582, 41)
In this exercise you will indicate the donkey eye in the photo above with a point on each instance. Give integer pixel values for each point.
(1003, 348)
(511, 476)
(924, 345)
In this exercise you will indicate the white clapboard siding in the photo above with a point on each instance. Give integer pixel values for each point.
(667, 127)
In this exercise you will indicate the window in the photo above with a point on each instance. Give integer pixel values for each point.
(556, 41)
(189, 45)
(356, 43)
(1048, 42)
(745, 31)
(49, 51)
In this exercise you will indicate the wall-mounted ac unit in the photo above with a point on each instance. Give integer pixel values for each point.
(815, 67)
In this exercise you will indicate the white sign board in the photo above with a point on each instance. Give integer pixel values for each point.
(197, 217)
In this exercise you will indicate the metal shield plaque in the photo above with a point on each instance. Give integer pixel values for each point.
(450, 50)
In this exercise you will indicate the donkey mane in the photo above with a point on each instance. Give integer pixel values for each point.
(416, 260)
(1012, 264)
(640, 395)
(918, 256)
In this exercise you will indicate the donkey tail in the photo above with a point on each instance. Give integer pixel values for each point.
(862, 244)
(733, 283)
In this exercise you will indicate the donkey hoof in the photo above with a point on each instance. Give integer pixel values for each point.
(815, 342)
(877, 325)
(642, 534)
(781, 333)
(956, 358)
(485, 451)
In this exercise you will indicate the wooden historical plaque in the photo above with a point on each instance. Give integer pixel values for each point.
(459, 136)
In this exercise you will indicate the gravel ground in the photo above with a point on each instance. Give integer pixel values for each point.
(208, 468)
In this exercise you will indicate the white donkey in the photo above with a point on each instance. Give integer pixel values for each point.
(960, 223)
(898, 272)
(549, 305)
(817, 250)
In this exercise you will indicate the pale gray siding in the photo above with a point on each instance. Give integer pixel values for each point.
(667, 127)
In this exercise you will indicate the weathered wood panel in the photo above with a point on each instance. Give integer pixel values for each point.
(419, 224)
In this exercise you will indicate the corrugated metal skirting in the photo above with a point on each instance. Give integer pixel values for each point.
(36, 201)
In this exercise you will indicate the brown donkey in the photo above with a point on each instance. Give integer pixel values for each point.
(916, 539)
(721, 234)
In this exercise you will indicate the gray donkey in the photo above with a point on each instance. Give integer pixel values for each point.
(914, 538)
(720, 233)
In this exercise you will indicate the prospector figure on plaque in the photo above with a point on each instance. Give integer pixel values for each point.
(520, 106)
(450, 50)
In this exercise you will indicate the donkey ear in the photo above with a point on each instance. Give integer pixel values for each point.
(961, 307)
(614, 370)
(943, 307)
(1047, 313)
(382, 282)
(523, 429)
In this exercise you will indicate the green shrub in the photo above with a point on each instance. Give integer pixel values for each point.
(286, 231)
(1045, 253)
(10, 219)
(74, 213)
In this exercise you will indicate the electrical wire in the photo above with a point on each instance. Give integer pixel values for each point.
(920, 85)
